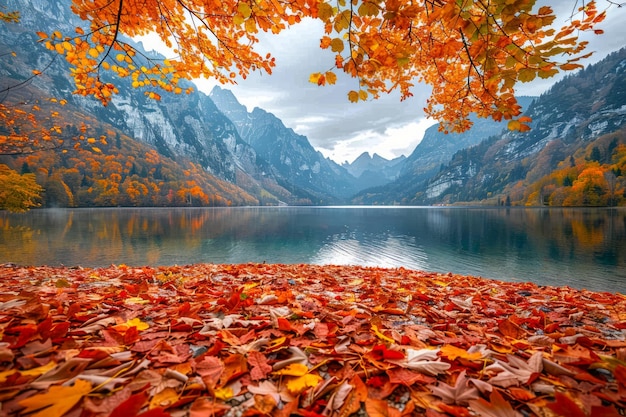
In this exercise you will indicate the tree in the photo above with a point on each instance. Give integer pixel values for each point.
(18, 193)
(472, 52)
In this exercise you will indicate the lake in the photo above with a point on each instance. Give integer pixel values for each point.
(581, 248)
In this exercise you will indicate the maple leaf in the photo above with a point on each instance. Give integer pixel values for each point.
(565, 406)
(301, 380)
(57, 401)
(260, 367)
(423, 360)
(269, 388)
(497, 406)
(516, 371)
(460, 394)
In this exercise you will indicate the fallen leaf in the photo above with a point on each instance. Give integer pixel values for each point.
(461, 393)
(57, 401)
(497, 406)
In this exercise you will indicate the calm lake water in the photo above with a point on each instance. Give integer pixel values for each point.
(582, 248)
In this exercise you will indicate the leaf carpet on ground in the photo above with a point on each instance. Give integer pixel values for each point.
(257, 339)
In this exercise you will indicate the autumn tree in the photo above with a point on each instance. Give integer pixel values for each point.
(27, 124)
(18, 193)
(473, 53)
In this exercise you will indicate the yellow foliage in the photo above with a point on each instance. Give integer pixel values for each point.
(57, 401)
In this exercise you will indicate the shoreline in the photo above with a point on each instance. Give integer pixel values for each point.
(273, 339)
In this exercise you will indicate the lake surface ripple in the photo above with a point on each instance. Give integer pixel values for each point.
(582, 248)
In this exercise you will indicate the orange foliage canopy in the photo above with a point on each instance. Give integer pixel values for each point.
(471, 52)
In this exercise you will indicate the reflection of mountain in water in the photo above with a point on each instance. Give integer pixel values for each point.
(576, 247)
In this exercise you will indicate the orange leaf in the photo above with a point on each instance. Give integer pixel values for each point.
(496, 407)
(57, 401)
(453, 352)
(565, 406)
(376, 408)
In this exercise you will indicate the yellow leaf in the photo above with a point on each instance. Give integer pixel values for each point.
(57, 401)
(336, 45)
(353, 96)
(324, 11)
(94, 52)
(526, 75)
(224, 393)
(299, 384)
(164, 399)
(136, 322)
(295, 369)
(380, 335)
(244, 9)
(30, 372)
(95, 149)
(453, 352)
(314, 78)
(363, 95)
(514, 125)
(331, 78)
(368, 9)
(251, 26)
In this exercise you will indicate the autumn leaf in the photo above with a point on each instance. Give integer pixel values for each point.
(423, 360)
(301, 380)
(497, 406)
(298, 384)
(57, 401)
(376, 408)
(295, 369)
(452, 352)
(260, 367)
(461, 393)
(565, 406)
(516, 371)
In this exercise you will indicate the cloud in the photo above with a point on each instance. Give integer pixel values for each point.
(387, 126)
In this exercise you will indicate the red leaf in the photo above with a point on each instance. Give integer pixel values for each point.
(131, 335)
(454, 410)
(131, 406)
(565, 406)
(620, 374)
(408, 377)
(260, 367)
(283, 324)
(155, 412)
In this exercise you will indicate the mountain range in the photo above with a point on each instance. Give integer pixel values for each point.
(250, 157)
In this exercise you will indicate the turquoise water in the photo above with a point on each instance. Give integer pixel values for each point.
(582, 248)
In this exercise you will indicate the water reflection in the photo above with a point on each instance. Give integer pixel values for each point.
(576, 247)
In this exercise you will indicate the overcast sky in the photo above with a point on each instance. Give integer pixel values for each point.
(342, 130)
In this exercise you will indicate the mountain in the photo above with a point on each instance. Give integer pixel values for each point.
(185, 128)
(435, 149)
(374, 170)
(375, 163)
(290, 153)
(584, 111)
